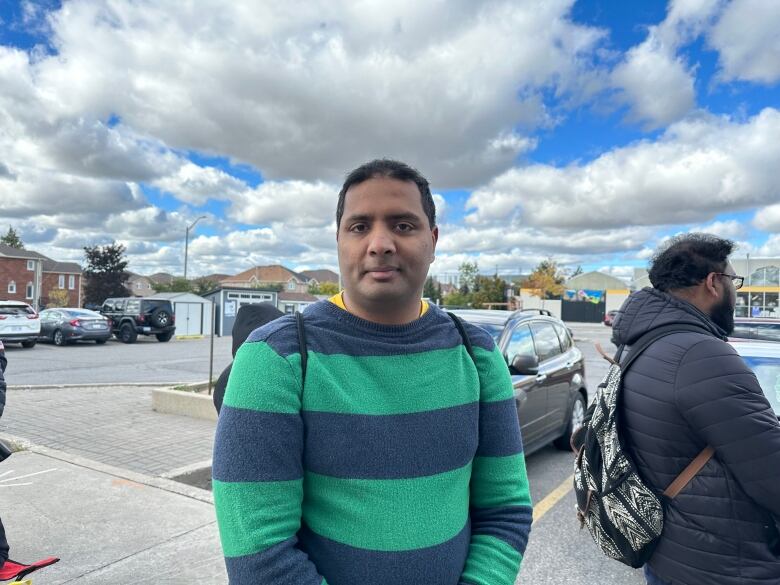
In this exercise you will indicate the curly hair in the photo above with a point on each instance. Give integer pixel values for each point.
(388, 169)
(687, 259)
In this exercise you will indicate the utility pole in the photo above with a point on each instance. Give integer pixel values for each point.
(187, 242)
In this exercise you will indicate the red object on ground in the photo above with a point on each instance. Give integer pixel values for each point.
(11, 569)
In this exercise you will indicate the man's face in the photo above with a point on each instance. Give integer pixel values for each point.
(722, 313)
(385, 245)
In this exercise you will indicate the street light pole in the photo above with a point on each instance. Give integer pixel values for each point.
(187, 242)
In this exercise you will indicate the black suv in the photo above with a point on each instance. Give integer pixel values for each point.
(133, 316)
(547, 369)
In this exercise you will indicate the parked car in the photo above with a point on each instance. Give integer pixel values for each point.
(66, 325)
(609, 318)
(757, 328)
(134, 316)
(547, 369)
(19, 323)
(763, 357)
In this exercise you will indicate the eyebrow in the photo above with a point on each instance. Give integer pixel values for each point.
(394, 217)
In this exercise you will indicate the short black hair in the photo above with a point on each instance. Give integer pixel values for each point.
(687, 259)
(388, 169)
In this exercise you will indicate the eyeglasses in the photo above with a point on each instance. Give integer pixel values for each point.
(737, 280)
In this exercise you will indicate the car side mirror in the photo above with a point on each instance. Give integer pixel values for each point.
(525, 364)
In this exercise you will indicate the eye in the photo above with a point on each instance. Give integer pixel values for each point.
(358, 228)
(404, 227)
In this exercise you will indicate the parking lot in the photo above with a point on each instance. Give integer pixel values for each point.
(559, 552)
(146, 361)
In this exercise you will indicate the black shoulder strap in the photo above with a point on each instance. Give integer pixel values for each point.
(463, 334)
(304, 350)
(649, 338)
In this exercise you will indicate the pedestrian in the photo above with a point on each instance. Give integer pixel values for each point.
(398, 458)
(3, 453)
(686, 391)
(248, 318)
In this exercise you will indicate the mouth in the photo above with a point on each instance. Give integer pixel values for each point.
(382, 272)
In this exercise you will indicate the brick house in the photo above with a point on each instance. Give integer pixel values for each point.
(30, 276)
(139, 286)
(264, 276)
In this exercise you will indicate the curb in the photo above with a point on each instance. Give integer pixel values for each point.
(106, 385)
(192, 404)
(165, 484)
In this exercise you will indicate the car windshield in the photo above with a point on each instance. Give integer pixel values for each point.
(767, 370)
(16, 310)
(83, 313)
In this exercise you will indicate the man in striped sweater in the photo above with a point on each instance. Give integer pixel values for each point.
(399, 460)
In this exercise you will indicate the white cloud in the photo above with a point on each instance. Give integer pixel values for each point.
(655, 82)
(196, 185)
(746, 37)
(731, 229)
(297, 203)
(247, 80)
(698, 169)
(768, 219)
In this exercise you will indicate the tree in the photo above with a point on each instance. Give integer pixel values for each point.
(204, 285)
(546, 279)
(489, 289)
(430, 291)
(176, 285)
(105, 273)
(57, 298)
(456, 299)
(577, 272)
(11, 238)
(468, 276)
(324, 288)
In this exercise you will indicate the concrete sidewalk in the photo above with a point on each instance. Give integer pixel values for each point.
(108, 525)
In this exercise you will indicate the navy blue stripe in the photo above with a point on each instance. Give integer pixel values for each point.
(339, 563)
(499, 429)
(258, 446)
(282, 564)
(330, 330)
(512, 524)
(390, 446)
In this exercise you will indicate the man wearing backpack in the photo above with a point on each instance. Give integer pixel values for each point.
(691, 389)
(379, 442)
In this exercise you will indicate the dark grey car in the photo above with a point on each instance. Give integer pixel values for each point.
(63, 326)
(547, 369)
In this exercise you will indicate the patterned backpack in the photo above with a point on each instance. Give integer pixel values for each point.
(623, 515)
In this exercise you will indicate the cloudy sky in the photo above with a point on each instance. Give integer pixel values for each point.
(585, 131)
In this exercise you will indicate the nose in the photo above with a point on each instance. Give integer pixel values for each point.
(381, 242)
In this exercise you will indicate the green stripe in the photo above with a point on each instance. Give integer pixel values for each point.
(254, 516)
(388, 514)
(490, 561)
(494, 375)
(500, 481)
(261, 379)
(390, 384)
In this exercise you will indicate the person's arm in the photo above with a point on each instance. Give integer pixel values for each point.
(3, 362)
(720, 398)
(501, 510)
(258, 471)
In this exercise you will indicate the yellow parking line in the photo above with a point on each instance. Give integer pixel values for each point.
(553, 498)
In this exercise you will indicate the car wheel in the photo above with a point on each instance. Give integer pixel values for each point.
(28, 344)
(100, 341)
(127, 333)
(160, 318)
(576, 420)
(58, 338)
(164, 336)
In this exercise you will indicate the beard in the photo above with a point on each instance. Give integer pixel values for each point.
(722, 315)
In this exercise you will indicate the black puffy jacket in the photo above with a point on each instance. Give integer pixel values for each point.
(685, 391)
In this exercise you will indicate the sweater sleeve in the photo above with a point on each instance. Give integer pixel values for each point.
(258, 470)
(500, 499)
(720, 398)
(3, 362)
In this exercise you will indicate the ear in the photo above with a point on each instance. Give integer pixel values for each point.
(710, 286)
(435, 238)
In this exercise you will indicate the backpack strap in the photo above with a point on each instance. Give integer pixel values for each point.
(463, 334)
(304, 350)
(687, 474)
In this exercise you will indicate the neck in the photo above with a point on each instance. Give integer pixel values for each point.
(384, 313)
(693, 298)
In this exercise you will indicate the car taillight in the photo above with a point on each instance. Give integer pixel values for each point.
(75, 322)
(3, 317)
(140, 318)
(35, 316)
(173, 319)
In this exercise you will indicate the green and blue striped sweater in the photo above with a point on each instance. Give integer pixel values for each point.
(399, 462)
